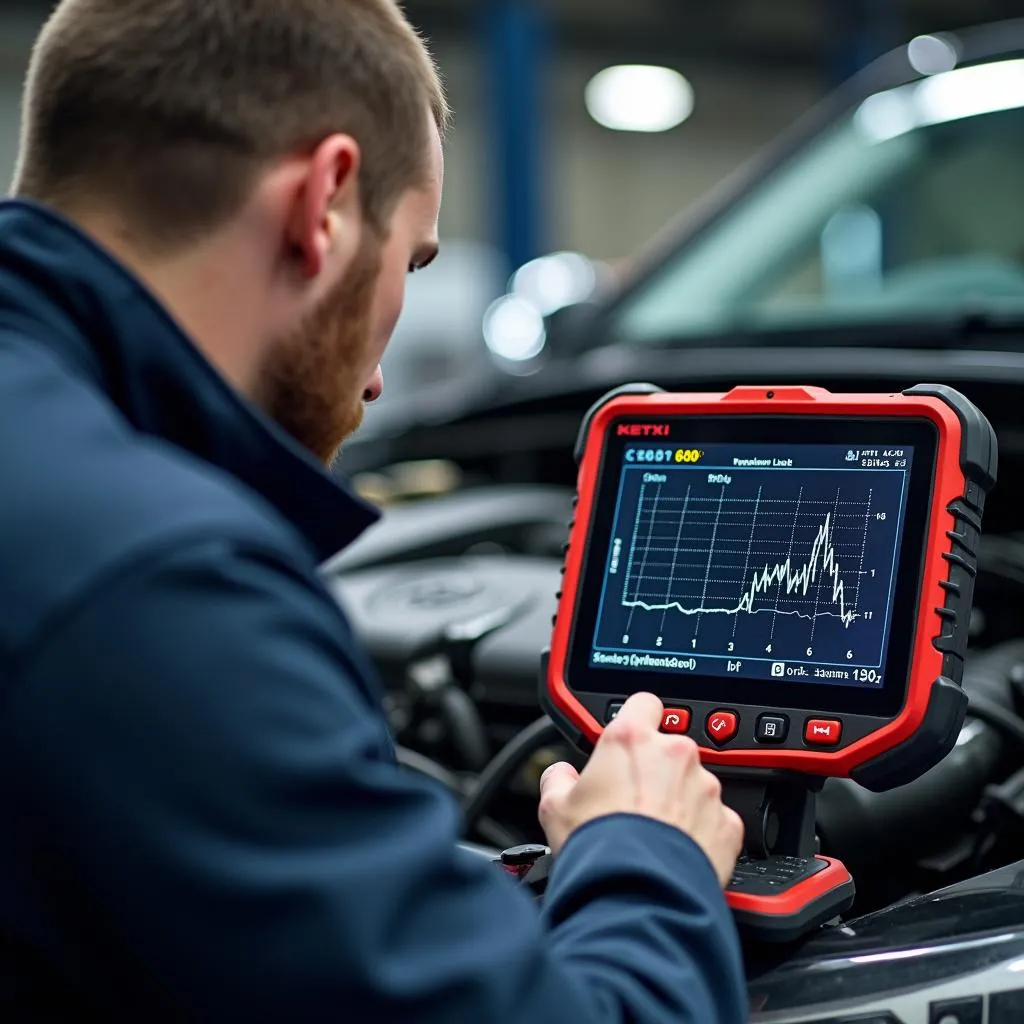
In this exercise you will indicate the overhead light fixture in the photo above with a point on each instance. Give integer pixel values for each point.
(931, 55)
(639, 98)
(514, 330)
(948, 96)
(553, 282)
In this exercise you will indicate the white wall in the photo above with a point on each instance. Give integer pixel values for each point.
(9, 86)
(606, 193)
(16, 34)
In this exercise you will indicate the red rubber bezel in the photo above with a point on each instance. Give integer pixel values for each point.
(926, 661)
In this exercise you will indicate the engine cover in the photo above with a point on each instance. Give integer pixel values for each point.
(402, 611)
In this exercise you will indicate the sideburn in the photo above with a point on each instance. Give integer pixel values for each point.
(311, 384)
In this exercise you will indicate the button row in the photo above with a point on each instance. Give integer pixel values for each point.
(822, 733)
(722, 726)
(675, 720)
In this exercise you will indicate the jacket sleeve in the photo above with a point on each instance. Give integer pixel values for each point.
(228, 838)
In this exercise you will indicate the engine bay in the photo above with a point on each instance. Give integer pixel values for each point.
(455, 595)
(457, 639)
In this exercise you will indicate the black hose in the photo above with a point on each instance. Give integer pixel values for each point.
(1004, 721)
(497, 835)
(490, 830)
(1002, 557)
(419, 763)
(503, 766)
(465, 727)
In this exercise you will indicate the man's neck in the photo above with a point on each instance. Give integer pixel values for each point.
(201, 290)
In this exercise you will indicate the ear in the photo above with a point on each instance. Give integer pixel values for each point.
(327, 212)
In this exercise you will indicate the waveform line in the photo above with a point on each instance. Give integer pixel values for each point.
(822, 559)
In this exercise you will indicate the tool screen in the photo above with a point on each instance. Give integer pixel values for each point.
(754, 561)
(790, 571)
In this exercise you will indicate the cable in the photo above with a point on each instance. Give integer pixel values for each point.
(1002, 557)
(1004, 721)
(503, 766)
(419, 763)
(465, 726)
(497, 835)
(494, 833)
(995, 809)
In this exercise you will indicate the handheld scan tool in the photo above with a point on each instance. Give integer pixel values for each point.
(791, 571)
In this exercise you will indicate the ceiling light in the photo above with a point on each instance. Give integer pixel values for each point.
(514, 330)
(553, 282)
(639, 98)
(947, 96)
(972, 92)
(931, 55)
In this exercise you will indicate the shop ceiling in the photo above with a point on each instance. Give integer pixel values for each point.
(778, 33)
(759, 34)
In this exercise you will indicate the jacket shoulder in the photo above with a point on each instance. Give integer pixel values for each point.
(86, 495)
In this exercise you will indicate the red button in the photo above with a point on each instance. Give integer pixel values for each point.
(722, 726)
(822, 732)
(675, 720)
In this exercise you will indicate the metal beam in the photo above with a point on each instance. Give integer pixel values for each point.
(515, 41)
(630, 41)
(611, 32)
(861, 31)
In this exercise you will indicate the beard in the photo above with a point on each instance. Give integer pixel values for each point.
(313, 382)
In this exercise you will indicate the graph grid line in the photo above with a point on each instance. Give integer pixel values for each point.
(803, 575)
(772, 563)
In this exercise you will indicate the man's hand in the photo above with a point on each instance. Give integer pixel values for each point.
(637, 769)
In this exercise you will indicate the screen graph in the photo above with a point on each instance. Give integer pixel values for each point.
(740, 564)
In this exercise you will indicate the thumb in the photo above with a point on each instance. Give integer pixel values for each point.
(558, 780)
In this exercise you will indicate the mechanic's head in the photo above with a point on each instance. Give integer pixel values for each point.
(272, 169)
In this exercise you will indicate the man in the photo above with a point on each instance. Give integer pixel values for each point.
(216, 205)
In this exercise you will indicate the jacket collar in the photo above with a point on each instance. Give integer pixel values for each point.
(60, 288)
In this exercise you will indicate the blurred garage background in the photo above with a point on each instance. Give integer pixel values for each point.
(698, 194)
(582, 127)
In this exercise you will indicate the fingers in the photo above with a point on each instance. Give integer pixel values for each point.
(556, 788)
(558, 781)
(735, 828)
(728, 845)
(710, 786)
(642, 709)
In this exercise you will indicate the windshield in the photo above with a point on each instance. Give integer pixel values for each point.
(910, 207)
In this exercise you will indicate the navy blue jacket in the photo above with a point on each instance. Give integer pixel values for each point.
(200, 813)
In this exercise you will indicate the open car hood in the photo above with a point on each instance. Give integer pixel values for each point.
(960, 944)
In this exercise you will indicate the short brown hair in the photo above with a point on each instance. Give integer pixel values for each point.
(170, 108)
